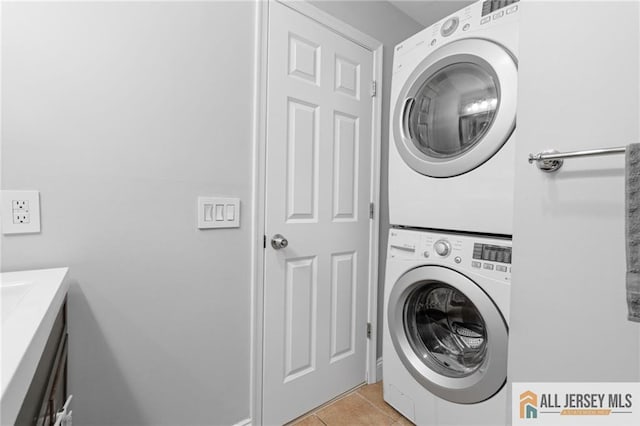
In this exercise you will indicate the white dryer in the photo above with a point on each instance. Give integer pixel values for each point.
(445, 333)
(453, 115)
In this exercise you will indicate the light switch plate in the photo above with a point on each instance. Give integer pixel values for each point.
(218, 212)
(20, 212)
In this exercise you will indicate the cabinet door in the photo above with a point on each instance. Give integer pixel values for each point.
(59, 390)
(35, 408)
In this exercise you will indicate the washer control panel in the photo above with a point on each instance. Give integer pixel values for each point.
(489, 256)
(442, 247)
(449, 26)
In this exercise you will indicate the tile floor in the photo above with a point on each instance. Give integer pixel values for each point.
(363, 406)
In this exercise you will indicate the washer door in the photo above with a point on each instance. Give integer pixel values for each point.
(457, 108)
(449, 334)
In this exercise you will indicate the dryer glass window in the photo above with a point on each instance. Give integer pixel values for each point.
(453, 110)
(445, 329)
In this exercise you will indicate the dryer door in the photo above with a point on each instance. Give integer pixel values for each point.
(449, 334)
(457, 108)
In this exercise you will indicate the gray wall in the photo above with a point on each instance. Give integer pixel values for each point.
(389, 26)
(578, 90)
(121, 114)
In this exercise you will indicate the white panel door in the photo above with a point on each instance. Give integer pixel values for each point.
(319, 145)
(578, 90)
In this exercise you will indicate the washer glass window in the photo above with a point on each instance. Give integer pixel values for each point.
(445, 329)
(453, 109)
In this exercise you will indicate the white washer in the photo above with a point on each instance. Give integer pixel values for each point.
(445, 334)
(453, 100)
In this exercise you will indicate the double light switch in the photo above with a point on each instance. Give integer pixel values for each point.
(216, 212)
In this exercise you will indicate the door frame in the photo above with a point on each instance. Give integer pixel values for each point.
(258, 213)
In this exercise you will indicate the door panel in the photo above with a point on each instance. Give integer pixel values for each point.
(343, 305)
(302, 161)
(300, 317)
(345, 170)
(319, 116)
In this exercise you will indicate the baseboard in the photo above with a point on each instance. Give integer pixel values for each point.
(245, 422)
(379, 369)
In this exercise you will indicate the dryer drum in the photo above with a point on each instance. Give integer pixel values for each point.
(457, 108)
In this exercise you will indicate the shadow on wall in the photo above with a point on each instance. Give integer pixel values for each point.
(94, 361)
(129, 392)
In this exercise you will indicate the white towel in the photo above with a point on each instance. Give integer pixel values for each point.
(632, 200)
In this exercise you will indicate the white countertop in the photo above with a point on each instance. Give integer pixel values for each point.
(30, 302)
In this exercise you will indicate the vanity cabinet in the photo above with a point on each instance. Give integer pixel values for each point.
(47, 392)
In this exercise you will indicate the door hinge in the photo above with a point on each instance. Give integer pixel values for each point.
(374, 89)
(371, 207)
(264, 242)
(368, 330)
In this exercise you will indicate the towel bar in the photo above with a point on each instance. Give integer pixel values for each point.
(551, 160)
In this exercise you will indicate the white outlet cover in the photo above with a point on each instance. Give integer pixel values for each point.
(20, 204)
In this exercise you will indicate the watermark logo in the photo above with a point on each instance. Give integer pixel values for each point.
(575, 404)
(528, 405)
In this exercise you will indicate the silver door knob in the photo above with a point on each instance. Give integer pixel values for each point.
(279, 242)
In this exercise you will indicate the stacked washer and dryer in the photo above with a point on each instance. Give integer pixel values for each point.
(451, 167)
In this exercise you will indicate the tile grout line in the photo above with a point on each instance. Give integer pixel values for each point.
(377, 408)
(337, 399)
(327, 404)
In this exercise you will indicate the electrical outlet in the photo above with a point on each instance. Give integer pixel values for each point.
(20, 212)
(20, 204)
(21, 217)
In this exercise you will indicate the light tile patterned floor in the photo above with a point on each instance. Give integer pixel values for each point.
(362, 407)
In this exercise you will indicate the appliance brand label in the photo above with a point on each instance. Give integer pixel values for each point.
(544, 404)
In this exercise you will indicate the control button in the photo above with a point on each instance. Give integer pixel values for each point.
(476, 264)
(488, 266)
(466, 27)
(449, 26)
(442, 247)
(498, 15)
(501, 268)
(512, 9)
(433, 42)
(507, 256)
(485, 20)
(425, 254)
(458, 259)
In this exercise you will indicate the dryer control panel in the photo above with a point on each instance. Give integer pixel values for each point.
(470, 22)
(490, 6)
